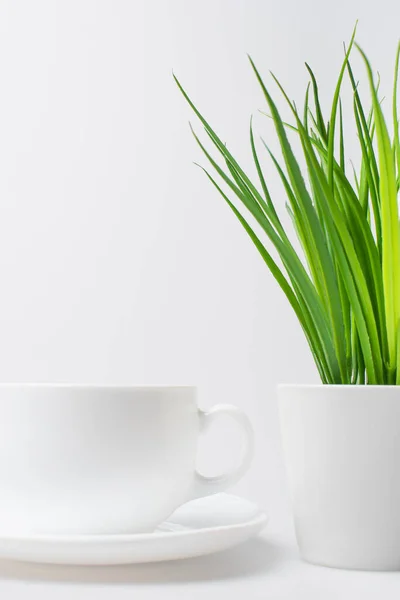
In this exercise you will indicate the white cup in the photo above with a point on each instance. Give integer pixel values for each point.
(102, 460)
(342, 450)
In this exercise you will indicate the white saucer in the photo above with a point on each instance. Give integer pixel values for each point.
(200, 527)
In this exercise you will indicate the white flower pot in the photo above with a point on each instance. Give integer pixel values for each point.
(342, 451)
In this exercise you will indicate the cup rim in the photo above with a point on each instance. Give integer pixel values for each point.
(95, 386)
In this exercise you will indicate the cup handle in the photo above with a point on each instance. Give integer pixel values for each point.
(206, 486)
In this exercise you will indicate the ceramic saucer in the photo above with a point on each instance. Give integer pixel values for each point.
(200, 527)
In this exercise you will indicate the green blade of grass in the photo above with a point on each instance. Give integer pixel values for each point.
(390, 229)
(300, 309)
(396, 142)
(318, 111)
(332, 121)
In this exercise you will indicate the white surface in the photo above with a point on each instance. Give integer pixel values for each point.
(104, 459)
(119, 263)
(266, 567)
(199, 528)
(342, 449)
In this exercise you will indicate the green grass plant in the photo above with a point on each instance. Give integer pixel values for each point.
(345, 285)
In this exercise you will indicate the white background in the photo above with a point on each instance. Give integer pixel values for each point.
(119, 262)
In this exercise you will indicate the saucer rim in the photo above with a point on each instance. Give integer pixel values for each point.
(260, 520)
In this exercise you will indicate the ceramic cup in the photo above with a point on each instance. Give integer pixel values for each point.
(103, 460)
(342, 450)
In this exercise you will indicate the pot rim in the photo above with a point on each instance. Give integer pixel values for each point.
(324, 386)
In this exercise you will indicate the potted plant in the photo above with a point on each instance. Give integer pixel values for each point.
(341, 438)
